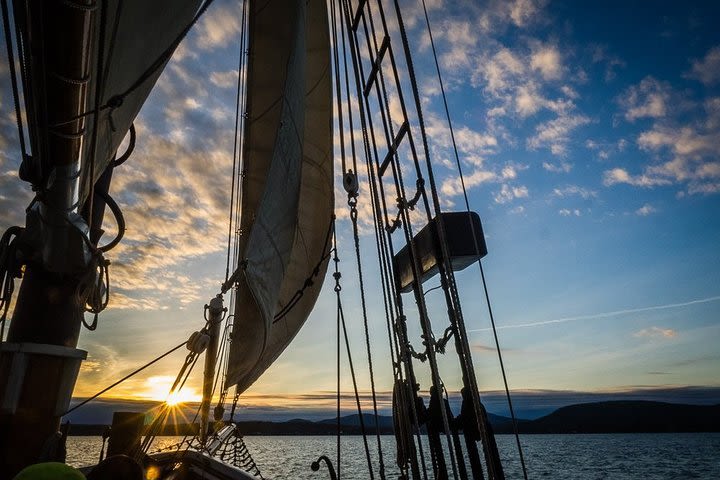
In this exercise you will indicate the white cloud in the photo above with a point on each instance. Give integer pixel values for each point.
(527, 100)
(682, 141)
(452, 186)
(217, 27)
(555, 134)
(498, 71)
(707, 70)
(649, 99)
(523, 11)
(574, 190)
(566, 212)
(620, 175)
(509, 172)
(508, 193)
(562, 167)
(224, 79)
(645, 210)
(546, 59)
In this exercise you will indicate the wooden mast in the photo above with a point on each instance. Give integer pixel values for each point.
(39, 362)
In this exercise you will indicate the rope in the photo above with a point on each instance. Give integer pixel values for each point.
(235, 155)
(134, 372)
(295, 299)
(474, 235)
(341, 320)
(13, 78)
(356, 236)
(119, 220)
(130, 148)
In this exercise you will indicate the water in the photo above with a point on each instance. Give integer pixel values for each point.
(586, 457)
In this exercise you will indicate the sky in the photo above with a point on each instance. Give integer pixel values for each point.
(588, 138)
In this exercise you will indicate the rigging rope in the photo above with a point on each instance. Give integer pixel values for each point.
(392, 159)
(352, 202)
(13, 78)
(134, 372)
(235, 152)
(474, 235)
(341, 320)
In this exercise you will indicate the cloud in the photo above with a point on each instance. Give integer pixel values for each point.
(546, 59)
(566, 212)
(620, 175)
(707, 70)
(562, 167)
(555, 134)
(499, 71)
(645, 210)
(226, 79)
(452, 186)
(682, 140)
(649, 99)
(574, 190)
(522, 12)
(508, 193)
(656, 332)
(217, 27)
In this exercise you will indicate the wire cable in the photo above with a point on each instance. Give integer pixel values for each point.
(134, 372)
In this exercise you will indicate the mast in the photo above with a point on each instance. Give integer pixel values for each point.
(39, 362)
(215, 317)
(83, 82)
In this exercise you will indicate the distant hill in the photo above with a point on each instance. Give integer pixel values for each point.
(627, 417)
(599, 417)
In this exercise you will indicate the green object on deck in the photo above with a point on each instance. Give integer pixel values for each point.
(49, 471)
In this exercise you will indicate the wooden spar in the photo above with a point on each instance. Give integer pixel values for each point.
(215, 317)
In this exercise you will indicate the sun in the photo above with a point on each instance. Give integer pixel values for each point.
(157, 388)
(179, 397)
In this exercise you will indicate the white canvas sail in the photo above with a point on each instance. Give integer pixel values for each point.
(287, 188)
(136, 34)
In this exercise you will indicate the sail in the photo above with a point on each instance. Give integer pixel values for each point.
(137, 34)
(64, 85)
(287, 188)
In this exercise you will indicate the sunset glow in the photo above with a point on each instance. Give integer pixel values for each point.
(158, 388)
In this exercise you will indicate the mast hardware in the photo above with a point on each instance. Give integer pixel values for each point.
(461, 248)
(350, 182)
(55, 228)
(198, 342)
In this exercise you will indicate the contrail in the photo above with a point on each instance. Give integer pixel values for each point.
(603, 315)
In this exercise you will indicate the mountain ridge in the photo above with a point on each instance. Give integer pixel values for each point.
(620, 416)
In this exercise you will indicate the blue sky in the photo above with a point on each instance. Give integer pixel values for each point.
(588, 137)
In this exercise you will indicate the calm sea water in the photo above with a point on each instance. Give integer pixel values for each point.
(586, 457)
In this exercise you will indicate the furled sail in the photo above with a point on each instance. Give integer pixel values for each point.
(287, 187)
